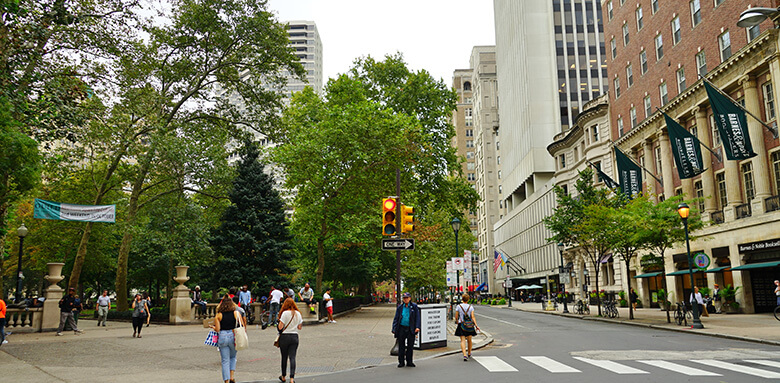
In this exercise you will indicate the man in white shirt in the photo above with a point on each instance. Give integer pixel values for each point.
(104, 304)
(276, 299)
(328, 305)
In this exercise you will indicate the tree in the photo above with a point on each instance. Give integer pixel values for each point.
(252, 243)
(629, 234)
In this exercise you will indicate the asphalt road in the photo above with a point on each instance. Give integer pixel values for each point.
(545, 348)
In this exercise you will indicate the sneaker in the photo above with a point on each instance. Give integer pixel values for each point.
(411, 365)
(59, 334)
(104, 324)
(465, 358)
(78, 331)
(333, 322)
(5, 342)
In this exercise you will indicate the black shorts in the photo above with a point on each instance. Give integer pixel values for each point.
(308, 301)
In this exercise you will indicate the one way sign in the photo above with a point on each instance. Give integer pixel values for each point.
(397, 244)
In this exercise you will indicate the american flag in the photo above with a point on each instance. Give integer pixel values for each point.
(497, 261)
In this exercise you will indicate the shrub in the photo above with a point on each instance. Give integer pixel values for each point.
(623, 303)
(502, 301)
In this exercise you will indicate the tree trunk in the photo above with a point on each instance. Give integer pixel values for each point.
(321, 255)
(3, 212)
(630, 306)
(598, 293)
(169, 285)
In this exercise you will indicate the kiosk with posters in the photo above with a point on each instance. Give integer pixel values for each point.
(433, 327)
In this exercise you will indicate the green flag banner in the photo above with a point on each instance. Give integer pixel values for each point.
(732, 125)
(69, 212)
(611, 184)
(629, 174)
(686, 150)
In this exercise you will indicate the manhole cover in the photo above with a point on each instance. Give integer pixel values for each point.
(369, 361)
(314, 369)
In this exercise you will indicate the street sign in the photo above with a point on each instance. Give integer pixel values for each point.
(449, 267)
(457, 263)
(452, 279)
(398, 244)
(565, 278)
(701, 260)
(508, 283)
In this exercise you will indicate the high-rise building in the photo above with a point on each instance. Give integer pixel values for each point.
(659, 50)
(305, 40)
(550, 62)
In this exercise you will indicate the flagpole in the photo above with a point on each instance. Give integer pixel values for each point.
(771, 129)
(643, 168)
(720, 159)
(599, 170)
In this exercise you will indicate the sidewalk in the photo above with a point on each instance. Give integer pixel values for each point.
(761, 328)
(177, 354)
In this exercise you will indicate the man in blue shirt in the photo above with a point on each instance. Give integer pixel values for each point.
(406, 324)
(245, 300)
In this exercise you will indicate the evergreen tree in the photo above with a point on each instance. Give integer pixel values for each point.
(252, 243)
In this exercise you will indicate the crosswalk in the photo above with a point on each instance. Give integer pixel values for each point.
(703, 367)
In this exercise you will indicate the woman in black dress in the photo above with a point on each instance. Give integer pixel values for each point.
(466, 326)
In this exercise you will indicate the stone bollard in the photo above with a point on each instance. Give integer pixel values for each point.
(181, 302)
(53, 294)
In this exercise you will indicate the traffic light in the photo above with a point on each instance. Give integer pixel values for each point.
(407, 219)
(388, 216)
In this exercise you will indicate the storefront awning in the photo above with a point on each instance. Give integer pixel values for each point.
(717, 269)
(682, 272)
(757, 265)
(649, 275)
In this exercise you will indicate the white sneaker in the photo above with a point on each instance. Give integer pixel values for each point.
(5, 342)
(59, 334)
(333, 322)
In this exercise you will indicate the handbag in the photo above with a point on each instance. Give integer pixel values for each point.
(212, 338)
(276, 341)
(241, 339)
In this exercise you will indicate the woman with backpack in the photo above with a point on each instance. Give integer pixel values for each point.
(466, 325)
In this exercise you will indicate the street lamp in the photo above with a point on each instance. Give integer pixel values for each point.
(21, 232)
(757, 15)
(560, 279)
(683, 210)
(456, 227)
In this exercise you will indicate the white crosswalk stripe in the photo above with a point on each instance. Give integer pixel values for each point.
(494, 364)
(685, 370)
(549, 364)
(612, 366)
(770, 363)
(739, 368)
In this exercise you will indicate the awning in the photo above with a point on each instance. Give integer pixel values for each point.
(757, 265)
(682, 272)
(717, 269)
(649, 275)
(482, 286)
(605, 258)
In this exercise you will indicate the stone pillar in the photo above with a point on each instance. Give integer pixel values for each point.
(741, 278)
(708, 177)
(53, 294)
(756, 129)
(181, 303)
(647, 154)
(733, 190)
(666, 163)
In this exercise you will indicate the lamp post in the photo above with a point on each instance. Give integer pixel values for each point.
(21, 232)
(456, 227)
(560, 277)
(683, 210)
(757, 15)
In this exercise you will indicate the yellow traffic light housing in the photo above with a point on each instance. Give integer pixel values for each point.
(388, 216)
(407, 219)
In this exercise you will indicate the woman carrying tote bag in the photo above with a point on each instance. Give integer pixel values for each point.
(290, 321)
(225, 321)
(467, 326)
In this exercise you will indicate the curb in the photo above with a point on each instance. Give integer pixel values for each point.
(650, 325)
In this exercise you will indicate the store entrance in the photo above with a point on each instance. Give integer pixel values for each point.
(763, 286)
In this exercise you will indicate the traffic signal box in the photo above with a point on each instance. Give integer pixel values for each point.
(407, 219)
(388, 216)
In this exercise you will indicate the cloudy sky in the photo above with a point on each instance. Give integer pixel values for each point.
(435, 35)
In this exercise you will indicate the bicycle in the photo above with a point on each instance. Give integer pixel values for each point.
(682, 314)
(250, 315)
(777, 312)
(610, 309)
(582, 308)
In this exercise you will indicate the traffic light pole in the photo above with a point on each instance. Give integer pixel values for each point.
(398, 230)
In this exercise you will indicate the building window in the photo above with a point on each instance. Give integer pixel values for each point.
(775, 158)
(470, 166)
(694, 130)
(469, 155)
(609, 9)
(659, 47)
(769, 101)
(681, 80)
(469, 143)
(625, 34)
(620, 125)
(648, 107)
(498, 160)
(724, 42)
(632, 112)
(629, 75)
(664, 94)
(658, 169)
(699, 190)
(472, 177)
(718, 2)
(747, 177)
(613, 47)
(715, 133)
(753, 32)
(655, 6)
(499, 177)
(468, 112)
(467, 86)
(469, 132)
(701, 63)
(595, 133)
(676, 34)
(639, 19)
(565, 189)
(643, 61)
(720, 179)
(695, 12)
(562, 161)
(597, 165)
(616, 86)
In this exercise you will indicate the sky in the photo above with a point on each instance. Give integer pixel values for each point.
(435, 35)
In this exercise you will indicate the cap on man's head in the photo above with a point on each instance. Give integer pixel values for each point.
(197, 287)
(72, 289)
(406, 295)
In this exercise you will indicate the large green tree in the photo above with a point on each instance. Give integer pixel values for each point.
(252, 244)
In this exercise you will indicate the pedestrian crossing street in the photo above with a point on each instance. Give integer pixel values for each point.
(694, 367)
